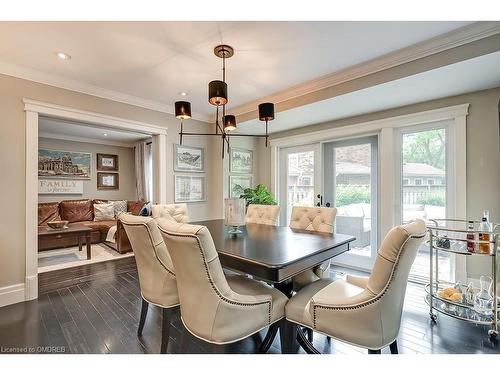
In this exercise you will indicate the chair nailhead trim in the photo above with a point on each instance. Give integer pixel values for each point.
(212, 284)
(369, 302)
(154, 246)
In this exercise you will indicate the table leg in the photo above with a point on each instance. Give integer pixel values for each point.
(288, 330)
(80, 242)
(89, 245)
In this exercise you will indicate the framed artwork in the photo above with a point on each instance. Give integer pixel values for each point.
(64, 164)
(189, 158)
(107, 162)
(237, 184)
(189, 189)
(107, 181)
(241, 160)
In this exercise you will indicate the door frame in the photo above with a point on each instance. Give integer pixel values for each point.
(347, 259)
(385, 127)
(33, 109)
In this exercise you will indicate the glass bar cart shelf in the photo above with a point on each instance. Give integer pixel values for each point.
(450, 235)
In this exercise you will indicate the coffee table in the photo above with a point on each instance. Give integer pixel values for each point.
(71, 230)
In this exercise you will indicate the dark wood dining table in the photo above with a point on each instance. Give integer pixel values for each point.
(275, 254)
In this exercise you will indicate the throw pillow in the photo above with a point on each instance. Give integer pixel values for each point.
(120, 207)
(146, 210)
(104, 211)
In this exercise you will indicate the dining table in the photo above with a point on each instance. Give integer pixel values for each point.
(275, 254)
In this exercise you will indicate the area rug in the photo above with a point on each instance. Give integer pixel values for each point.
(57, 259)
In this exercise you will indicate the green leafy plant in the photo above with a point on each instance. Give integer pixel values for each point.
(349, 194)
(258, 195)
(432, 199)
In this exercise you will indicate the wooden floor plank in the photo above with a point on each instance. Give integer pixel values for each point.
(95, 309)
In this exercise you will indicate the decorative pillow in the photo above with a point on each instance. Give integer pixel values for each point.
(146, 210)
(104, 211)
(120, 207)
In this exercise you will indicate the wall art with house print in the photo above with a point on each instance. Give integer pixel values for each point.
(241, 161)
(189, 158)
(64, 164)
(189, 188)
(237, 184)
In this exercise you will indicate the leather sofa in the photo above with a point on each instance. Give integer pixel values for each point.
(81, 211)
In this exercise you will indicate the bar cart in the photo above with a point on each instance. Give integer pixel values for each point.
(451, 236)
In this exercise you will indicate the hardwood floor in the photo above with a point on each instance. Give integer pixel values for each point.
(95, 309)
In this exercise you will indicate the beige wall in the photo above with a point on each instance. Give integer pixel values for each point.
(126, 165)
(483, 155)
(12, 160)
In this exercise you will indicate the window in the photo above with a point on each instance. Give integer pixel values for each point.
(430, 181)
(306, 181)
(406, 181)
(418, 181)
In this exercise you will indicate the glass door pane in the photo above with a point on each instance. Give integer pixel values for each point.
(351, 186)
(299, 182)
(423, 186)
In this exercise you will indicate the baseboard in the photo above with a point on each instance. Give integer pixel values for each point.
(31, 288)
(11, 294)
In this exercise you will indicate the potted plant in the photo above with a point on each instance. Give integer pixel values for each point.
(258, 195)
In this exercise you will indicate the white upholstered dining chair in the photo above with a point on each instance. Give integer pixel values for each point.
(156, 272)
(175, 211)
(215, 308)
(262, 214)
(363, 311)
(314, 219)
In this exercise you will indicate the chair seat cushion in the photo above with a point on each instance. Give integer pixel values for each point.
(246, 286)
(297, 309)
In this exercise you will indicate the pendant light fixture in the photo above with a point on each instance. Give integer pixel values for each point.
(218, 97)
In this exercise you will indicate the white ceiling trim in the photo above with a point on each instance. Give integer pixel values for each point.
(72, 138)
(86, 88)
(58, 111)
(452, 39)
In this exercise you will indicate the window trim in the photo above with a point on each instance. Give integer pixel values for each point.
(387, 167)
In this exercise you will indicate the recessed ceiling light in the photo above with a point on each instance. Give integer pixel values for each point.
(183, 93)
(63, 56)
(105, 134)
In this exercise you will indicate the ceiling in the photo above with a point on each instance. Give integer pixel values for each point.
(466, 76)
(150, 63)
(71, 131)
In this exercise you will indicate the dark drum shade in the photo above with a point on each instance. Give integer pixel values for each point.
(217, 93)
(266, 111)
(182, 110)
(229, 122)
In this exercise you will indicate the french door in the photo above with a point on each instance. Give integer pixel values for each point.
(350, 180)
(300, 179)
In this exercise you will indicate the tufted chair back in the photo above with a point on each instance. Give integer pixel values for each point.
(262, 214)
(154, 266)
(175, 212)
(210, 309)
(316, 219)
(380, 302)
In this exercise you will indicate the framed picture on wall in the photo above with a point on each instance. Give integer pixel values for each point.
(107, 181)
(237, 184)
(189, 189)
(189, 158)
(63, 164)
(107, 162)
(240, 160)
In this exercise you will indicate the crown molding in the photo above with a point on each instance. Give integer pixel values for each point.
(89, 89)
(440, 43)
(64, 137)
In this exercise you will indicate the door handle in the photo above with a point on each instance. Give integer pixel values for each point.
(327, 204)
(320, 203)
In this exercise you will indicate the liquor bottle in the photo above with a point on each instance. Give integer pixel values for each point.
(484, 235)
(471, 248)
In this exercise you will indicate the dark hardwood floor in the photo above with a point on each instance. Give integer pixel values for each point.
(95, 309)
